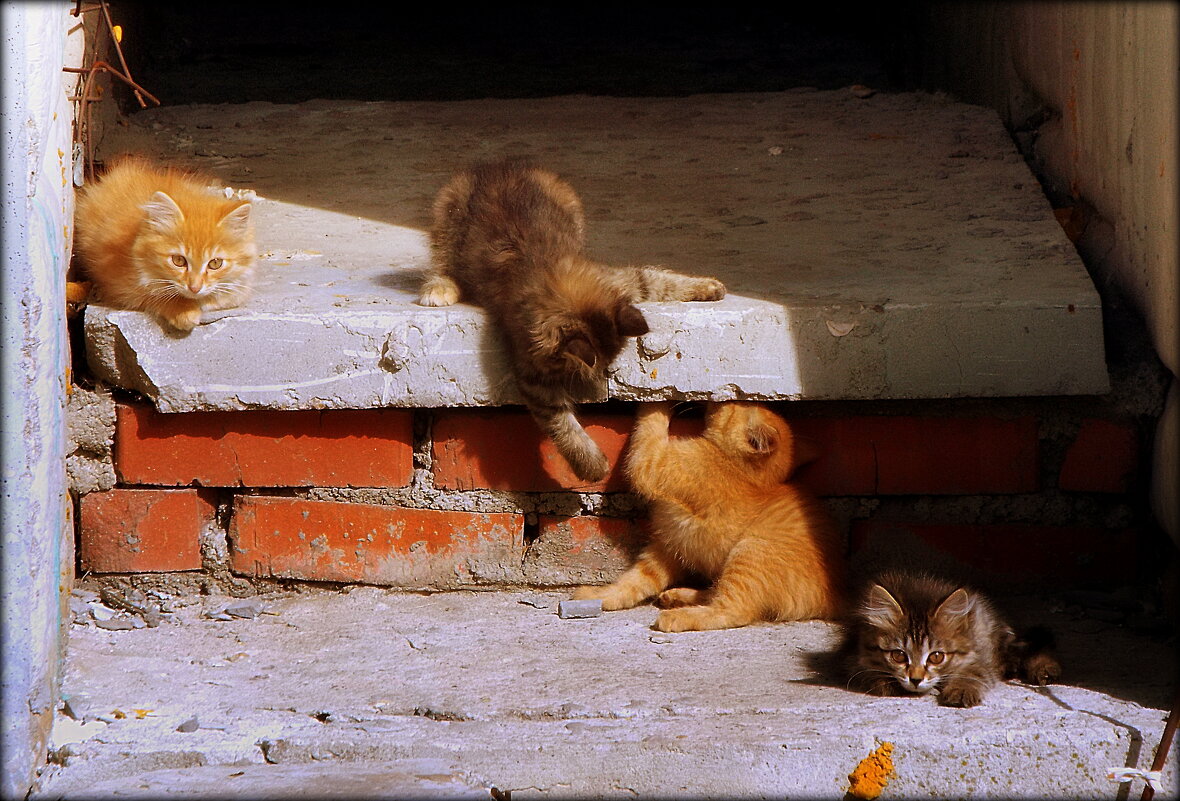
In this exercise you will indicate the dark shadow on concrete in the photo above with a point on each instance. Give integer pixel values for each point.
(1103, 657)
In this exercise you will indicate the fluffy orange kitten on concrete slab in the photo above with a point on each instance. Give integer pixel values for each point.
(164, 241)
(720, 511)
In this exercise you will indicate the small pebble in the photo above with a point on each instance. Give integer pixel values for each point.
(189, 725)
(579, 609)
(80, 611)
(244, 609)
(115, 624)
(100, 612)
(660, 639)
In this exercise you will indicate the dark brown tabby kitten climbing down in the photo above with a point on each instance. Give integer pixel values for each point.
(510, 237)
(914, 634)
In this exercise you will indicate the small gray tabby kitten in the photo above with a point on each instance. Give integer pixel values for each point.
(914, 634)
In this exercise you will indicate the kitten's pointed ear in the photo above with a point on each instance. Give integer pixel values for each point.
(761, 437)
(957, 604)
(881, 608)
(580, 348)
(162, 211)
(237, 221)
(631, 321)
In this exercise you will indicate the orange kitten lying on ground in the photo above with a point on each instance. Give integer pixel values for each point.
(720, 511)
(164, 241)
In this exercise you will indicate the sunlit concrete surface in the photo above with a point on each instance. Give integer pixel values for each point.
(891, 246)
(379, 694)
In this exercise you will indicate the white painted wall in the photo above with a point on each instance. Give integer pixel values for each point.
(37, 530)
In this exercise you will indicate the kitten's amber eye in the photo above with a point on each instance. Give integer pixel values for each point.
(214, 264)
(179, 260)
(935, 658)
(899, 657)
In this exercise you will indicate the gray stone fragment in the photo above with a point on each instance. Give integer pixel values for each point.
(127, 599)
(80, 611)
(571, 609)
(115, 624)
(189, 725)
(100, 611)
(86, 596)
(244, 609)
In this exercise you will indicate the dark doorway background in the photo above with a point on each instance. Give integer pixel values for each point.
(222, 52)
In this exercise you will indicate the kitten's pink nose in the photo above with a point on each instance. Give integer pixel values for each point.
(194, 287)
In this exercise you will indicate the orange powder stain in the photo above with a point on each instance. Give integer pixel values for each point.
(872, 774)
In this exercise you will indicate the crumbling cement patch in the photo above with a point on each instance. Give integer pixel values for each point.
(90, 432)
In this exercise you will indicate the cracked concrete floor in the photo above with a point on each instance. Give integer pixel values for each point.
(374, 693)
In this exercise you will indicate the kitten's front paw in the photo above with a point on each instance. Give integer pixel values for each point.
(698, 618)
(591, 466)
(611, 601)
(185, 320)
(709, 289)
(673, 620)
(961, 695)
(679, 596)
(438, 290)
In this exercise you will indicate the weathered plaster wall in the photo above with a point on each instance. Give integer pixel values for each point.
(38, 528)
(1092, 90)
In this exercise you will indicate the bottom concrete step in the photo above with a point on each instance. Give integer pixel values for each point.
(376, 694)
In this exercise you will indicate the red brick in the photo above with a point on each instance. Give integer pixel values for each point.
(582, 550)
(905, 455)
(330, 448)
(373, 544)
(142, 530)
(1102, 458)
(1017, 551)
(503, 449)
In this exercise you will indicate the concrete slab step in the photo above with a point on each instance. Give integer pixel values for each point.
(387, 694)
(892, 246)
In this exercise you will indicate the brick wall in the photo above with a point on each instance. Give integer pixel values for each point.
(476, 497)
